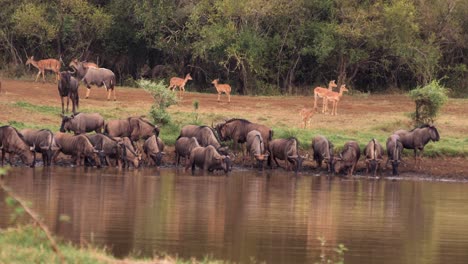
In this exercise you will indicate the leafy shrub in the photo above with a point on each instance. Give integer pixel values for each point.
(163, 98)
(429, 100)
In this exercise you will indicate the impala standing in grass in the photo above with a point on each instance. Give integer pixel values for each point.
(43, 65)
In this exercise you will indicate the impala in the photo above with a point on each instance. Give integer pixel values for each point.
(320, 92)
(179, 82)
(306, 114)
(43, 65)
(334, 97)
(222, 88)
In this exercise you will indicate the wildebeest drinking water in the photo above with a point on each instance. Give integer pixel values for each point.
(154, 150)
(68, 87)
(348, 158)
(236, 129)
(286, 149)
(13, 142)
(394, 149)
(183, 147)
(417, 139)
(256, 147)
(374, 155)
(208, 159)
(205, 136)
(43, 141)
(323, 151)
(78, 146)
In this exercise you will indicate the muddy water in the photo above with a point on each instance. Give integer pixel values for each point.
(272, 217)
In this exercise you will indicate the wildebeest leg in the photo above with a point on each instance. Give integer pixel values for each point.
(113, 91)
(108, 161)
(88, 91)
(68, 102)
(63, 106)
(108, 91)
(3, 156)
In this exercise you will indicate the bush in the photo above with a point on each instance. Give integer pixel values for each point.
(163, 98)
(429, 100)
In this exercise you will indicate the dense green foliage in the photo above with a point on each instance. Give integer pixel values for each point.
(258, 46)
(429, 100)
(163, 98)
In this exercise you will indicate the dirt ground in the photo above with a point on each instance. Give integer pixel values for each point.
(355, 113)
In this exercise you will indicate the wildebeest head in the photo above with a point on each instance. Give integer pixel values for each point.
(66, 124)
(297, 160)
(226, 163)
(434, 133)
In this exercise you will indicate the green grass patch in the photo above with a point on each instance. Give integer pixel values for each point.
(21, 125)
(44, 109)
(28, 244)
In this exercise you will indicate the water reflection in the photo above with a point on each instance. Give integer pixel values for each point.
(269, 216)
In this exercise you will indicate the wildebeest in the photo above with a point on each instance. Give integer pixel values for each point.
(418, 138)
(134, 127)
(43, 141)
(183, 147)
(13, 142)
(374, 155)
(348, 158)
(109, 147)
(82, 123)
(256, 147)
(204, 135)
(208, 159)
(286, 149)
(237, 130)
(154, 149)
(68, 87)
(96, 76)
(394, 149)
(77, 146)
(323, 151)
(131, 154)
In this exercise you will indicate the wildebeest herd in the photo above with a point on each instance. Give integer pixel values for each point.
(134, 141)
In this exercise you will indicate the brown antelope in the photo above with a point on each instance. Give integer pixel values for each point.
(43, 65)
(319, 92)
(306, 114)
(222, 88)
(179, 82)
(334, 97)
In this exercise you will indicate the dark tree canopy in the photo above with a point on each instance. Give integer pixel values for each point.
(258, 46)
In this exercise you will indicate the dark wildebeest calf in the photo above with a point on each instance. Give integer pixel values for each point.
(205, 137)
(82, 123)
(256, 148)
(183, 147)
(208, 159)
(68, 87)
(13, 143)
(374, 155)
(348, 159)
(418, 138)
(153, 149)
(394, 149)
(323, 151)
(43, 141)
(78, 146)
(287, 150)
(237, 129)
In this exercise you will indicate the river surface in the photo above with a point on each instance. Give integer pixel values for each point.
(271, 217)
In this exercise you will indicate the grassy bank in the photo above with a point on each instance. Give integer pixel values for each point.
(28, 244)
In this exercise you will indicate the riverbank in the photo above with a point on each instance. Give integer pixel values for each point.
(26, 104)
(28, 244)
